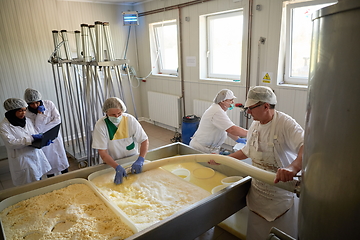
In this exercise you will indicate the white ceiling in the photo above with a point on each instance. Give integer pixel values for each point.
(110, 1)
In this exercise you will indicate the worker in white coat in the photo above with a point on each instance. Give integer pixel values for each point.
(27, 164)
(45, 115)
(215, 125)
(118, 135)
(275, 144)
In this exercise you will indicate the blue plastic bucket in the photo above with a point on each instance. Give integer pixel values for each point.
(189, 126)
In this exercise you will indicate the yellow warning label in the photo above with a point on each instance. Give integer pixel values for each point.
(267, 77)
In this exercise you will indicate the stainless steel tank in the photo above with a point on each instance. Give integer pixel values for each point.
(330, 191)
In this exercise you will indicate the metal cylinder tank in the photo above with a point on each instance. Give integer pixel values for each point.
(330, 190)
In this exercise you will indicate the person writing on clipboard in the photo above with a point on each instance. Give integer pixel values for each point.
(117, 135)
(27, 164)
(215, 125)
(274, 143)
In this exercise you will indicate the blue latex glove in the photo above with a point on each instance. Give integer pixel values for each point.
(136, 167)
(241, 140)
(120, 173)
(49, 142)
(37, 136)
(41, 108)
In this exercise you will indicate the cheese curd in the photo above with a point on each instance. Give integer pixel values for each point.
(151, 196)
(73, 212)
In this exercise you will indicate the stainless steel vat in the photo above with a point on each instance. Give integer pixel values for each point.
(330, 190)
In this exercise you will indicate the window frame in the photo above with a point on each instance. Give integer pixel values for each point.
(156, 51)
(204, 47)
(288, 79)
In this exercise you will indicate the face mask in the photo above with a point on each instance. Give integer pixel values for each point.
(115, 120)
(231, 106)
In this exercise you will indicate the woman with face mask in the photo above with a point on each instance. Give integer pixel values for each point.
(118, 135)
(215, 125)
(44, 115)
(27, 164)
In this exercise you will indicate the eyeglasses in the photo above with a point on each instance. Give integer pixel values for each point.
(251, 108)
(248, 116)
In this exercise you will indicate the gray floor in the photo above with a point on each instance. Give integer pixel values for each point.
(157, 137)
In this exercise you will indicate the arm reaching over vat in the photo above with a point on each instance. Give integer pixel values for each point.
(288, 173)
(117, 135)
(215, 125)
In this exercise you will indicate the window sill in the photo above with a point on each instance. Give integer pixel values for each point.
(165, 75)
(220, 80)
(295, 86)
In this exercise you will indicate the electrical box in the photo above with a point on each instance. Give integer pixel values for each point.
(130, 18)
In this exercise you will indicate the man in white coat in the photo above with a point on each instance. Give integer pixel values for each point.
(275, 143)
(27, 164)
(215, 125)
(44, 115)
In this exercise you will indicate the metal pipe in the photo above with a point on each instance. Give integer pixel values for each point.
(173, 7)
(78, 44)
(57, 53)
(79, 93)
(62, 105)
(93, 38)
(57, 97)
(66, 44)
(248, 56)
(85, 42)
(99, 31)
(109, 42)
(181, 65)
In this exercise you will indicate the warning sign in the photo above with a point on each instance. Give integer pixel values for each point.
(267, 77)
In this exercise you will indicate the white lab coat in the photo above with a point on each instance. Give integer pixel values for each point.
(27, 164)
(272, 146)
(211, 133)
(117, 148)
(55, 152)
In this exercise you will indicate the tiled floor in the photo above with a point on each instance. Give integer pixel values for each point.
(157, 137)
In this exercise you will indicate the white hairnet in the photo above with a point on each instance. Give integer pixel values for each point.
(14, 103)
(260, 94)
(114, 102)
(223, 95)
(32, 95)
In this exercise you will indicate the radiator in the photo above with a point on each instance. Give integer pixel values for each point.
(164, 108)
(200, 106)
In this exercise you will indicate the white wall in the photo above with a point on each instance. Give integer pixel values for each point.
(26, 42)
(266, 23)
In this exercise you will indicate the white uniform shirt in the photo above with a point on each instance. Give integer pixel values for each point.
(212, 128)
(289, 138)
(27, 164)
(117, 148)
(55, 152)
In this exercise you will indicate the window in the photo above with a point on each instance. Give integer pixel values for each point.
(298, 40)
(164, 47)
(221, 49)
